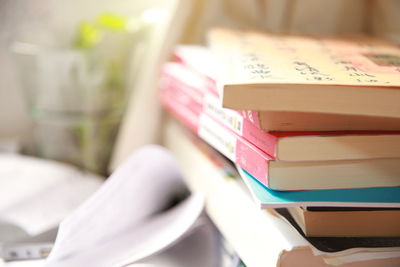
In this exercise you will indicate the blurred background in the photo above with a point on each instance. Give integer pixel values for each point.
(78, 81)
(67, 70)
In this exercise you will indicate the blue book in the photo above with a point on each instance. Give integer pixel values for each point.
(384, 197)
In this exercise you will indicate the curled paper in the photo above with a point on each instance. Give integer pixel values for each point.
(126, 220)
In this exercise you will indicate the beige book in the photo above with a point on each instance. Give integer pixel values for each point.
(311, 121)
(335, 174)
(201, 60)
(260, 71)
(357, 223)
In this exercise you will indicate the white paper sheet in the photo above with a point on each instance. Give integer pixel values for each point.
(36, 194)
(123, 221)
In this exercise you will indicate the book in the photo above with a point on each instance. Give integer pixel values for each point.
(197, 93)
(283, 175)
(342, 245)
(314, 121)
(201, 60)
(283, 73)
(347, 223)
(361, 197)
(263, 238)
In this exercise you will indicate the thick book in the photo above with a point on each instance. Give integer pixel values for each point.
(279, 73)
(260, 237)
(283, 175)
(198, 94)
(348, 223)
(201, 60)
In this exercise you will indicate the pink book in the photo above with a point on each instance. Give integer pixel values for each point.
(203, 99)
(277, 174)
(221, 138)
(179, 109)
(287, 146)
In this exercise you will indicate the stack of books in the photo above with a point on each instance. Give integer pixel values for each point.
(313, 125)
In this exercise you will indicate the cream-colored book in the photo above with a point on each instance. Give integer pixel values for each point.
(261, 71)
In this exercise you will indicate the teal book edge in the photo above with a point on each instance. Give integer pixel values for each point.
(360, 197)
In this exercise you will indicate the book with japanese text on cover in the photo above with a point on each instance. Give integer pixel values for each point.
(264, 72)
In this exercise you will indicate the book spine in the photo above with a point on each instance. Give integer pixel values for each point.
(253, 117)
(235, 148)
(241, 126)
(233, 119)
(171, 77)
(211, 85)
(170, 102)
(174, 88)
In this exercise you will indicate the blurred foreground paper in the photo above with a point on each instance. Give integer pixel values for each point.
(128, 218)
(37, 194)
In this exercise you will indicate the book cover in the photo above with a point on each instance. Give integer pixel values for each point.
(200, 60)
(261, 71)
